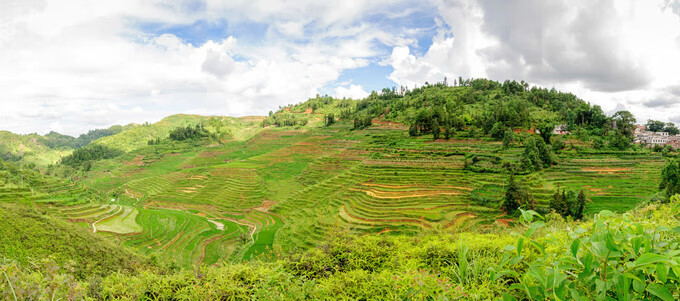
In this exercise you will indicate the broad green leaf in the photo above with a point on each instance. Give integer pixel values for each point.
(636, 243)
(574, 247)
(520, 244)
(631, 276)
(526, 215)
(609, 241)
(638, 286)
(660, 291)
(515, 260)
(662, 272)
(650, 258)
(539, 246)
(507, 297)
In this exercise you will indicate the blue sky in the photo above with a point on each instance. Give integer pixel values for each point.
(75, 65)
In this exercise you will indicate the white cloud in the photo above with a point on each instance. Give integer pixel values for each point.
(64, 62)
(606, 52)
(353, 91)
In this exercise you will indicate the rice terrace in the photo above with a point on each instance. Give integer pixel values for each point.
(215, 150)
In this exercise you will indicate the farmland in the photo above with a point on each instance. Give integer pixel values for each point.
(285, 189)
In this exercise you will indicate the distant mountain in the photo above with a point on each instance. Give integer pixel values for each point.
(47, 149)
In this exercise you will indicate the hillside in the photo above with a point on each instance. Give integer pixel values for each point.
(405, 171)
(48, 149)
(29, 236)
(137, 136)
(30, 149)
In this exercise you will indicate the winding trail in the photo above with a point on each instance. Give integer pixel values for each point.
(252, 228)
(94, 228)
(220, 226)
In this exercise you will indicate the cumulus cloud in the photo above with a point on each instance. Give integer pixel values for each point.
(73, 65)
(606, 52)
(353, 91)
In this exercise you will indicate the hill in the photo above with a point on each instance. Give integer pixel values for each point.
(30, 149)
(48, 149)
(138, 136)
(399, 172)
(28, 236)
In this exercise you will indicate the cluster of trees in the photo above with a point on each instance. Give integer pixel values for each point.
(565, 203)
(670, 178)
(329, 119)
(537, 154)
(56, 140)
(516, 197)
(660, 126)
(188, 133)
(568, 203)
(284, 119)
(84, 156)
(363, 122)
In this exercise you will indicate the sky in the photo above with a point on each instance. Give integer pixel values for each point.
(75, 65)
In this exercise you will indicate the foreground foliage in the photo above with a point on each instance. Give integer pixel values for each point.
(632, 256)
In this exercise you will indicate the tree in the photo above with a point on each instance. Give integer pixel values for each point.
(655, 125)
(329, 119)
(598, 117)
(559, 203)
(624, 122)
(508, 138)
(436, 129)
(670, 178)
(580, 205)
(513, 195)
(545, 130)
(671, 129)
(537, 154)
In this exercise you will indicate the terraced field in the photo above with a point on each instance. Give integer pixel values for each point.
(190, 204)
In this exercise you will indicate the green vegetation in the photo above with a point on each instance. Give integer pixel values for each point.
(29, 235)
(88, 154)
(429, 193)
(631, 256)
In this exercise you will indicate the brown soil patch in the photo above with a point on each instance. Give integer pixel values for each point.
(460, 218)
(401, 220)
(504, 222)
(205, 244)
(605, 170)
(387, 186)
(173, 240)
(266, 204)
(211, 154)
(182, 206)
(137, 161)
(410, 186)
(309, 111)
(405, 194)
(201, 214)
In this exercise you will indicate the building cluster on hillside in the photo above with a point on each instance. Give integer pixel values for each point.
(642, 136)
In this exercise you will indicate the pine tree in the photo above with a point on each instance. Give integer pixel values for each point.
(513, 195)
(580, 205)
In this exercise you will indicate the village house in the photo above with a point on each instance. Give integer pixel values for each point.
(642, 136)
(561, 129)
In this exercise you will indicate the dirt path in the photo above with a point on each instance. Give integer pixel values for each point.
(252, 228)
(220, 226)
(94, 228)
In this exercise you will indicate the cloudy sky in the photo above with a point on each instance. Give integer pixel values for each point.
(75, 65)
